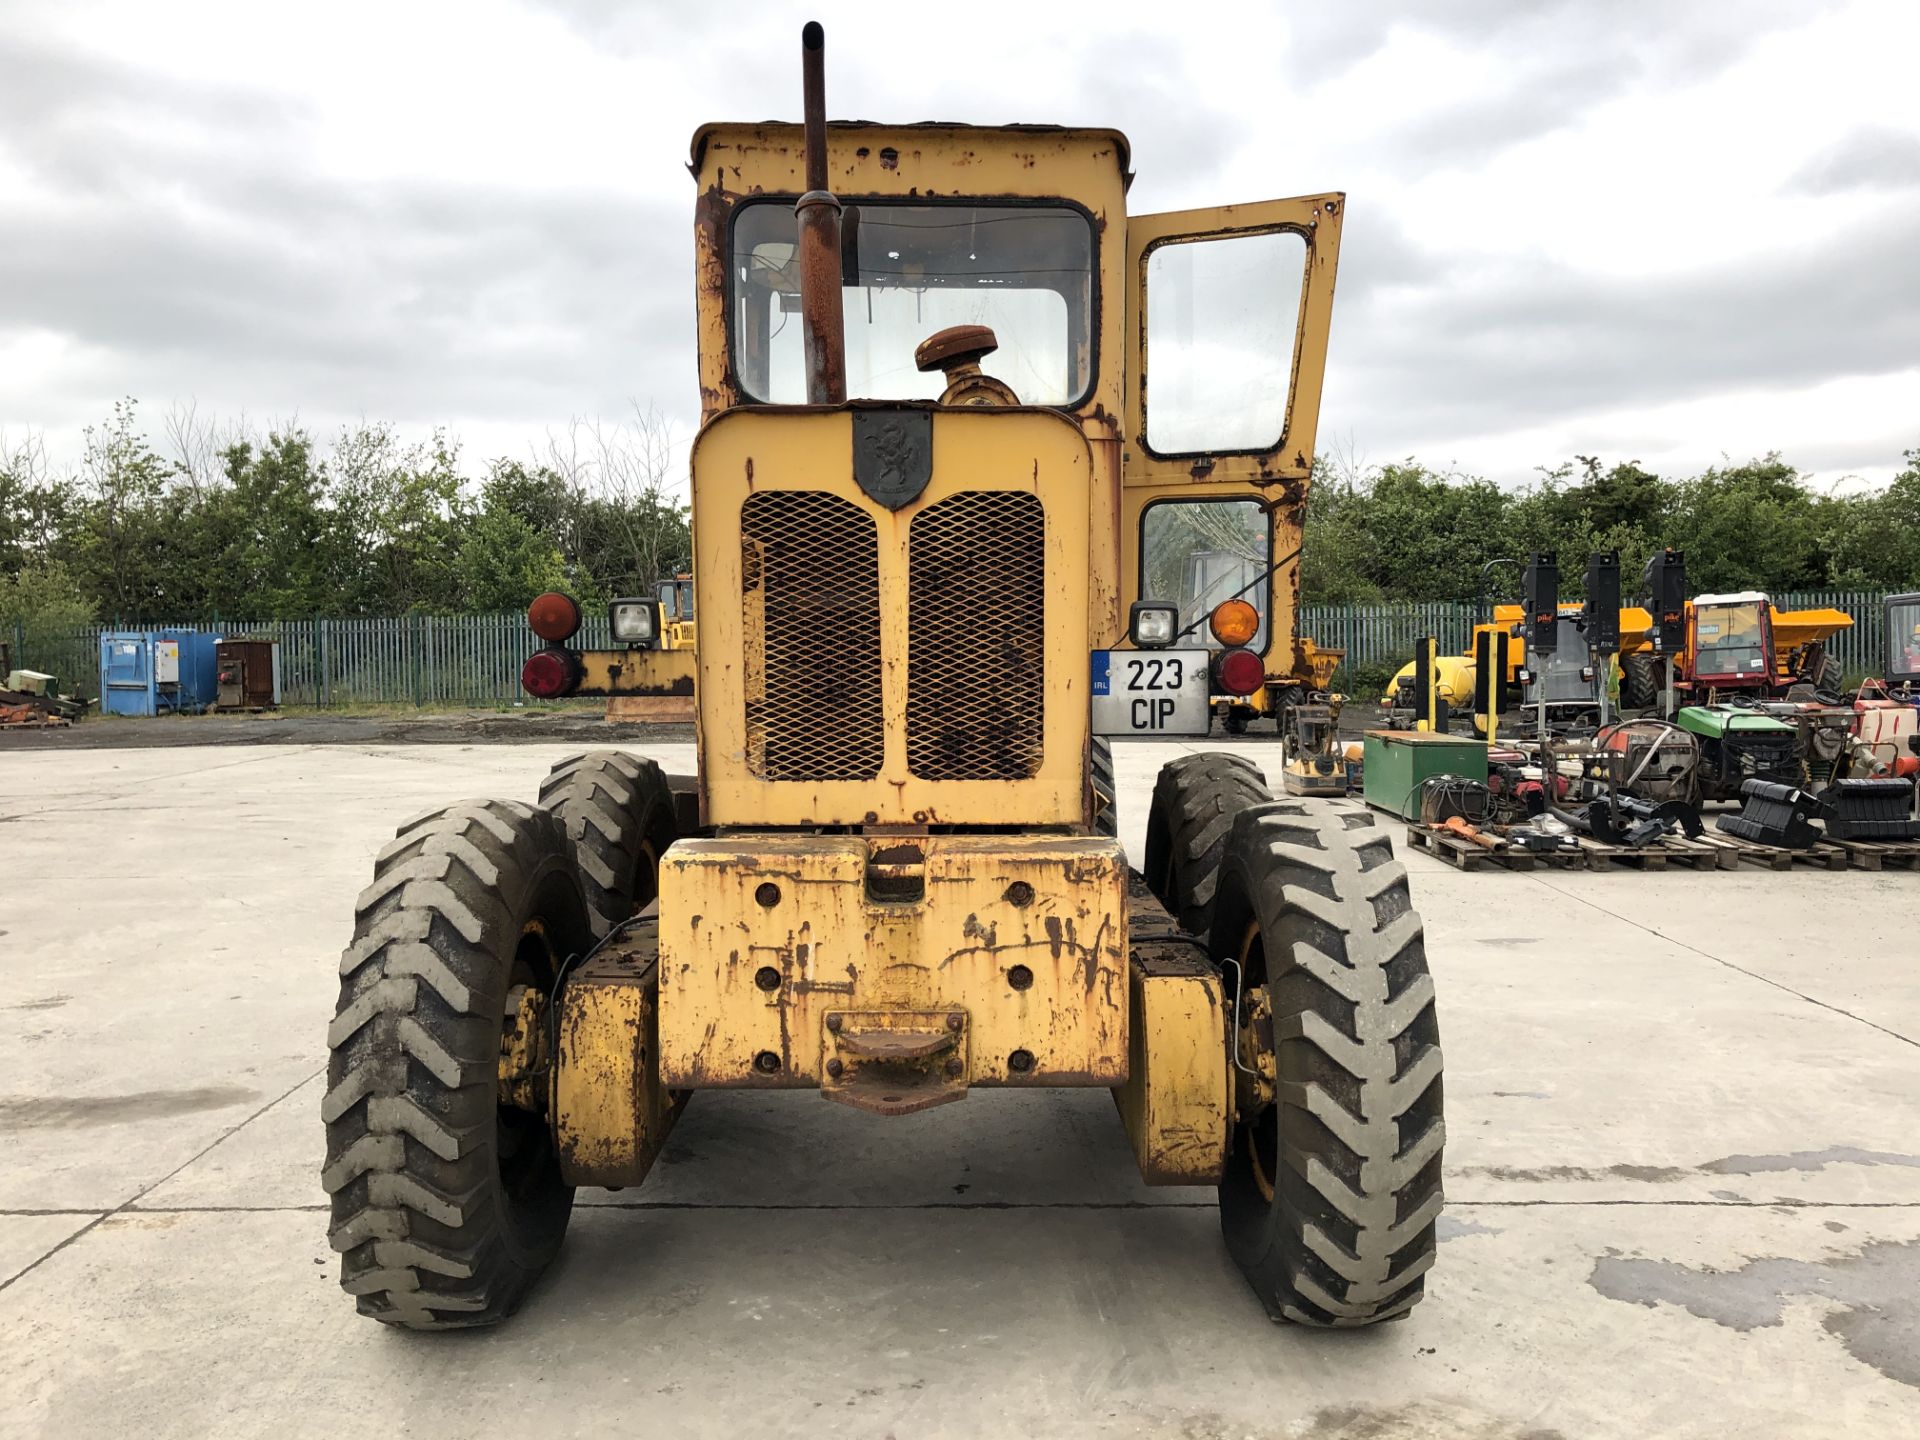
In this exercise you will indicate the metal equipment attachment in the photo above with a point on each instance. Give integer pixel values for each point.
(1770, 814)
(895, 1062)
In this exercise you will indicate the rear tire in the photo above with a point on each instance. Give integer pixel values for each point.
(1640, 681)
(446, 1204)
(1333, 1184)
(1829, 674)
(1194, 801)
(617, 812)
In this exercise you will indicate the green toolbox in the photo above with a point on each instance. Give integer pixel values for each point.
(1399, 761)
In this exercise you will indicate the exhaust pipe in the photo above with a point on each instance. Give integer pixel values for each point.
(818, 214)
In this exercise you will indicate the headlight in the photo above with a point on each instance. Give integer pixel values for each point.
(634, 622)
(1151, 624)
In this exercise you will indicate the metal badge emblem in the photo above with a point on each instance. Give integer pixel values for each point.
(892, 454)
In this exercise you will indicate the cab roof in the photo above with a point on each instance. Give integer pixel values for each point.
(795, 133)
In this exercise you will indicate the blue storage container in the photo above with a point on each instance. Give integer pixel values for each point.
(151, 672)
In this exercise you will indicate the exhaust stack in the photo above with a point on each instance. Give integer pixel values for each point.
(818, 214)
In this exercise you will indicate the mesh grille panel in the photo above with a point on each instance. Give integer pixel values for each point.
(810, 572)
(976, 592)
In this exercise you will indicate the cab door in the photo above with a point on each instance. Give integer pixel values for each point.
(1227, 316)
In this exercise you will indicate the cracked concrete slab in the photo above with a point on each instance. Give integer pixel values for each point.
(1708, 1133)
(27, 1239)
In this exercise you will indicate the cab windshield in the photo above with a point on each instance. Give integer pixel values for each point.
(676, 599)
(1730, 639)
(907, 271)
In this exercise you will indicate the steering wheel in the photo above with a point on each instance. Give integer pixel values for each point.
(958, 350)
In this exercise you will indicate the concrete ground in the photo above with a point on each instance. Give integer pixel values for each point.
(1684, 1173)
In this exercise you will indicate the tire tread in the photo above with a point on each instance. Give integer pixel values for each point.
(409, 1107)
(1195, 800)
(1350, 1234)
(611, 806)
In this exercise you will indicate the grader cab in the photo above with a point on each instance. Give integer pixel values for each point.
(929, 468)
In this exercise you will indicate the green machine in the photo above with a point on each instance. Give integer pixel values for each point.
(1738, 744)
(1399, 762)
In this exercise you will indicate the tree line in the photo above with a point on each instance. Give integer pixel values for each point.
(210, 524)
(1405, 532)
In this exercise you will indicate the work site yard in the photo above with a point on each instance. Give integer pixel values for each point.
(1683, 1178)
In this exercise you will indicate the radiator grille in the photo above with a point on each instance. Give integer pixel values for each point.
(810, 572)
(976, 635)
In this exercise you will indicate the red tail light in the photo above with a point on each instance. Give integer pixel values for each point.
(1240, 672)
(547, 674)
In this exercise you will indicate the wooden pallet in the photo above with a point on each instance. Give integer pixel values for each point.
(1877, 854)
(1773, 857)
(1677, 850)
(1465, 855)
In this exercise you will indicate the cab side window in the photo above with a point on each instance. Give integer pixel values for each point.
(1197, 553)
(1222, 314)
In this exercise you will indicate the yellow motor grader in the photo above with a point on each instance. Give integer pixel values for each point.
(952, 392)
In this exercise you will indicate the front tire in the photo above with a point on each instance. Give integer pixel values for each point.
(1333, 1184)
(446, 1203)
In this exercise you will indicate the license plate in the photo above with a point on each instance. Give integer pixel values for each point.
(1150, 692)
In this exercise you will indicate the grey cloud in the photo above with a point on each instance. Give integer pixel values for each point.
(1562, 60)
(229, 270)
(1335, 37)
(1168, 116)
(1867, 159)
(1652, 35)
(623, 28)
(1486, 346)
(1539, 102)
(1378, 257)
(1847, 454)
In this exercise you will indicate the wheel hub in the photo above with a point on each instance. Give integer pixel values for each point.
(1255, 1069)
(523, 1049)
(1254, 1092)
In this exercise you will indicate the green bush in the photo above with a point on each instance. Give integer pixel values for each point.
(43, 617)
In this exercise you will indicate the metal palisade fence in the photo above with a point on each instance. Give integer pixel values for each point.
(451, 660)
(424, 660)
(1377, 635)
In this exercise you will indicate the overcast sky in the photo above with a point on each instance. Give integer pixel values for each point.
(1640, 230)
